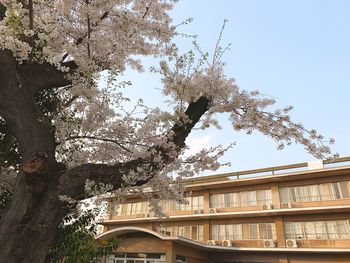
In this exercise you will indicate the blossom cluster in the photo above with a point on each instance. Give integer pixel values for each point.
(96, 123)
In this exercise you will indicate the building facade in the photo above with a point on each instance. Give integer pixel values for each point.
(286, 214)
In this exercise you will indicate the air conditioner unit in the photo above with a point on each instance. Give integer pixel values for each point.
(213, 210)
(291, 243)
(226, 243)
(197, 211)
(269, 243)
(287, 205)
(211, 242)
(145, 215)
(266, 206)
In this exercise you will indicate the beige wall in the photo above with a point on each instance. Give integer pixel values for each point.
(278, 258)
(243, 257)
(302, 258)
(147, 244)
(193, 255)
(143, 245)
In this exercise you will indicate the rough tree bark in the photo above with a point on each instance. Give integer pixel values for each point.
(29, 224)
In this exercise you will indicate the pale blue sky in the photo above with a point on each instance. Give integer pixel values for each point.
(297, 51)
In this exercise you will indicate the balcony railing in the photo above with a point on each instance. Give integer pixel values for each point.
(275, 170)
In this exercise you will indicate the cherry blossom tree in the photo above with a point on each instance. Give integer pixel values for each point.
(72, 137)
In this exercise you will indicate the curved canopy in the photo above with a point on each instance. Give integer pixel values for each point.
(130, 229)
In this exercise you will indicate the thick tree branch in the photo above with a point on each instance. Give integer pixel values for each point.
(31, 14)
(7, 181)
(72, 182)
(46, 75)
(37, 76)
(19, 110)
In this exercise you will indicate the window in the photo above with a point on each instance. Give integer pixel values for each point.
(338, 229)
(237, 231)
(184, 206)
(165, 230)
(192, 203)
(168, 205)
(248, 198)
(187, 232)
(238, 199)
(200, 233)
(133, 208)
(343, 229)
(231, 200)
(266, 231)
(345, 189)
(303, 194)
(326, 192)
(321, 230)
(181, 231)
(136, 258)
(294, 230)
(310, 230)
(285, 195)
(197, 202)
(222, 232)
(217, 200)
(336, 191)
(298, 230)
(313, 192)
(214, 232)
(332, 230)
(263, 197)
(247, 231)
(253, 231)
(190, 232)
(316, 192)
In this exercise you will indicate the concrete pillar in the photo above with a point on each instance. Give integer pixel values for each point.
(206, 202)
(281, 239)
(170, 256)
(206, 231)
(276, 201)
(283, 259)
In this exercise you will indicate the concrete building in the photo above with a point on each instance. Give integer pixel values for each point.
(286, 214)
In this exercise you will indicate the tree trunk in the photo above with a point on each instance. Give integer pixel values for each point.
(29, 225)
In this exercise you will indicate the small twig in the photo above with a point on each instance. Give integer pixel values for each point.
(81, 39)
(70, 101)
(99, 139)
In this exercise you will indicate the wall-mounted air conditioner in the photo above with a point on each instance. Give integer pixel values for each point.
(266, 206)
(227, 243)
(213, 210)
(291, 243)
(211, 242)
(145, 215)
(269, 243)
(287, 205)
